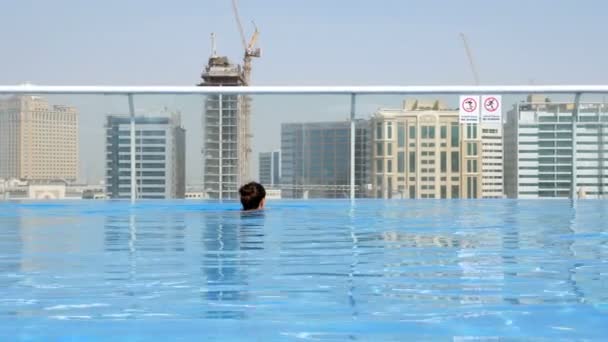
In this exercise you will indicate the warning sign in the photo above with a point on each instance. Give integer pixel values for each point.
(469, 109)
(491, 111)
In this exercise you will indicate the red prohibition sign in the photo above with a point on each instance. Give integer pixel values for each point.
(469, 104)
(490, 104)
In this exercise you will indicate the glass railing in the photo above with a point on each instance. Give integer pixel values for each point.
(144, 143)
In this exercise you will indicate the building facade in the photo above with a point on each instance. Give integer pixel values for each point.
(227, 148)
(315, 159)
(422, 151)
(492, 157)
(160, 157)
(543, 143)
(270, 168)
(38, 141)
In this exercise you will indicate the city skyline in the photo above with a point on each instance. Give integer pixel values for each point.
(330, 33)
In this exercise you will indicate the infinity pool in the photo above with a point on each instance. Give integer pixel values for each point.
(378, 270)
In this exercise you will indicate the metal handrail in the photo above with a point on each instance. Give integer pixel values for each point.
(305, 90)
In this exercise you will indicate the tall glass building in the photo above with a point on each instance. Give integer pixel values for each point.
(542, 143)
(315, 159)
(270, 168)
(160, 157)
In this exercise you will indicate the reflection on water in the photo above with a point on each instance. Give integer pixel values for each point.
(376, 270)
(225, 238)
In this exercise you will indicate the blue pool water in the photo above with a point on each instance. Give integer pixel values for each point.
(309, 270)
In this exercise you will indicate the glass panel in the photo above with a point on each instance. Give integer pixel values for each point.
(314, 143)
(54, 146)
(455, 135)
(412, 162)
(455, 158)
(178, 142)
(401, 162)
(401, 134)
(379, 165)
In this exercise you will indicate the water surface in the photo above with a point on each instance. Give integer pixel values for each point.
(378, 270)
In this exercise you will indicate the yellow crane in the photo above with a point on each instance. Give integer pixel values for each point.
(251, 50)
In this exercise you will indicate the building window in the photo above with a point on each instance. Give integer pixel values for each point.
(412, 191)
(455, 191)
(379, 149)
(455, 135)
(444, 162)
(389, 130)
(471, 131)
(444, 191)
(428, 132)
(455, 162)
(379, 163)
(389, 149)
(378, 130)
(472, 149)
(412, 132)
(401, 134)
(389, 166)
(472, 166)
(472, 187)
(444, 132)
(400, 161)
(412, 162)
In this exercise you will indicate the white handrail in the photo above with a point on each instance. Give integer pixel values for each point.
(303, 90)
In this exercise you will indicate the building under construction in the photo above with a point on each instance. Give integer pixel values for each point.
(227, 149)
(227, 146)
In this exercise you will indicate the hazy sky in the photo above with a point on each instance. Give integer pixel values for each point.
(311, 42)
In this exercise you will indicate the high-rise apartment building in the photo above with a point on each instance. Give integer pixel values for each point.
(422, 151)
(492, 156)
(315, 159)
(270, 168)
(227, 149)
(38, 141)
(543, 143)
(160, 147)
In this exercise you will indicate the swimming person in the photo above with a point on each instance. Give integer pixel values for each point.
(253, 196)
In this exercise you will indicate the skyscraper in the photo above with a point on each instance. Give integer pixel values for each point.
(422, 151)
(315, 159)
(38, 141)
(160, 157)
(270, 168)
(542, 143)
(226, 150)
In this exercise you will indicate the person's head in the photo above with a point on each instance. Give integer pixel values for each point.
(253, 196)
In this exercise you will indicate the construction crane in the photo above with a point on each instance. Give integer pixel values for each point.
(470, 57)
(251, 50)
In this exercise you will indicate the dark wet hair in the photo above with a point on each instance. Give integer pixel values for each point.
(252, 195)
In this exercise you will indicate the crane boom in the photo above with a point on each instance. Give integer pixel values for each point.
(251, 50)
(470, 57)
(237, 17)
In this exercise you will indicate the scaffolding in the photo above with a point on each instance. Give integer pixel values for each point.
(227, 148)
